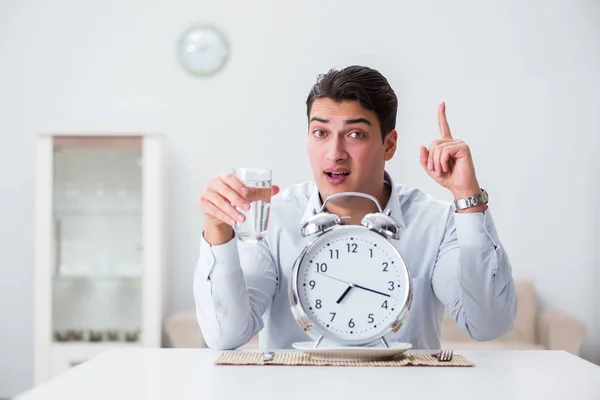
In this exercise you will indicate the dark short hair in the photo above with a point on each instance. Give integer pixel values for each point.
(363, 84)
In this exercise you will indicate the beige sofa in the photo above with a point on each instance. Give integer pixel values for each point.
(533, 329)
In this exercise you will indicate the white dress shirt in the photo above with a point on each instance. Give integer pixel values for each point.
(456, 261)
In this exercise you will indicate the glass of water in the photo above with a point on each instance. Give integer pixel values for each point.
(258, 182)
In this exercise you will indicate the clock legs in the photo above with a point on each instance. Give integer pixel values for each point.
(318, 341)
(385, 343)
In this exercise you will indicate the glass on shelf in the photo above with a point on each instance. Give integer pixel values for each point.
(97, 335)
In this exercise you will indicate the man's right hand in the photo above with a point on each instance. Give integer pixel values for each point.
(218, 201)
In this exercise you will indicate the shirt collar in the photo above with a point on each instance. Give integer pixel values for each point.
(393, 204)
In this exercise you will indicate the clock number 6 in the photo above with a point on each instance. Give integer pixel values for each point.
(351, 323)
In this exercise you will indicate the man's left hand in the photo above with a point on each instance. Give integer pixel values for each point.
(448, 161)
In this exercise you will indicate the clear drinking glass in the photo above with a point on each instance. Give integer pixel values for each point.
(258, 182)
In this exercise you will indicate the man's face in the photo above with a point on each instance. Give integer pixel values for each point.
(345, 148)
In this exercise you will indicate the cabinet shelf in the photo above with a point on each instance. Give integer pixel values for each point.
(65, 355)
(98, 213)
(62, 277)
(93, 346)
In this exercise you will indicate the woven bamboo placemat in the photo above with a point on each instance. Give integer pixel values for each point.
(292, 358)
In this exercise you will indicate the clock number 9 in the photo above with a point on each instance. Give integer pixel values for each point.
(312, 284)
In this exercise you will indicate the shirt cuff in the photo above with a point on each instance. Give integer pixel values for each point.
(476, 229)
(225, 254)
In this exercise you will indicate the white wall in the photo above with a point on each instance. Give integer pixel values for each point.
(521, 81)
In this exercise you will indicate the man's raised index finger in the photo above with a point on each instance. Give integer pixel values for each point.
(443, 122)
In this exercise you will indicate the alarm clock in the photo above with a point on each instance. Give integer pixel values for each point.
(350, 285)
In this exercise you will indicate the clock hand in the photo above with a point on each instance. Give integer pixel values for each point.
(345, 293)
(337, 279)
(355, 285)
(371, 290)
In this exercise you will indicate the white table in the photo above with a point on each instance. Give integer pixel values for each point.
(191, 374)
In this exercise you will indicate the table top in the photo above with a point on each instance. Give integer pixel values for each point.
(192, 374)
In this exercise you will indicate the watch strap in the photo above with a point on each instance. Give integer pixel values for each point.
(472, 201)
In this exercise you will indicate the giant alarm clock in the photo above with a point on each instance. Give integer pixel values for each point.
(350, 284)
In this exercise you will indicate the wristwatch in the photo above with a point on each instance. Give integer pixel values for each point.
(468, 202)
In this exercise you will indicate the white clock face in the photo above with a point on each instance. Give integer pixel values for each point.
(203, 50)
(353, 284)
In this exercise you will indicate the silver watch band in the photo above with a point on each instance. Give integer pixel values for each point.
(468, 202)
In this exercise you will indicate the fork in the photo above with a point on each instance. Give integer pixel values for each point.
(445, 355)
(268, 356)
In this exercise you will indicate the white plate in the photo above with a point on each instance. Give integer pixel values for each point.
(352, 353)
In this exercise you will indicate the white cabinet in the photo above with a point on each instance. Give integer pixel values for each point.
(99, 247)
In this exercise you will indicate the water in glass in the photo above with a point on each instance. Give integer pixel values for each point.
(258, 182)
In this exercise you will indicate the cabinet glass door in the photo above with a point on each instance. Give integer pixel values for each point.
(98, 255)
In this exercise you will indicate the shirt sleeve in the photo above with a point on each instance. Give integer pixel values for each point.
(473, 277)
(234, 284)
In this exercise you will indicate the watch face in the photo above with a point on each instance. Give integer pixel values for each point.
(352, 284)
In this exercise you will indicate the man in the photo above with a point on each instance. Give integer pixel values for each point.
(453, 252)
